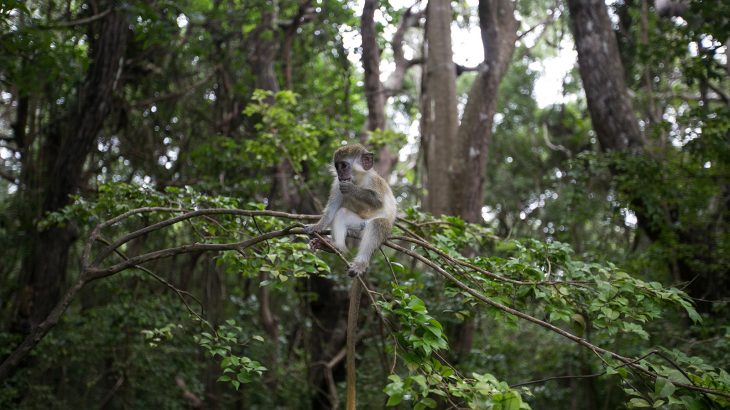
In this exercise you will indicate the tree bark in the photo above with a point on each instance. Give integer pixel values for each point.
(326, 339)
(371, 65)
(456, 155)
(62, 158)
(602, 73)
(266, 50)
(439, 116)
(289, 35)
(213, 298)
(375, 91)
(499, 33)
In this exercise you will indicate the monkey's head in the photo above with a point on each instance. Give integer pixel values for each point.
(352, 159)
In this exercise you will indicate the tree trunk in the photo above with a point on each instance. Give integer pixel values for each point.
(374, 91)
(326, 339)
(499, 33)
(213, 298)
(602, 73)
(439, 117)
(59, 171)
(456, 156)
(371, 65)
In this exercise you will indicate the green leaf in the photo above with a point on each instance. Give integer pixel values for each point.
(243, 377)
(637, 402)
(663, 388)
(696, 318)
(227, 361)
(397, 267)
(420, 381)
(395, 399)
(512, 403)
(692, 403)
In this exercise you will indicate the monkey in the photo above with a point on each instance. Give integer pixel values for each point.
(360, 203)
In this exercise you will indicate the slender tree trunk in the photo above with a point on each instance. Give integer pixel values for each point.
(289, 35)
(267, 48)
(213, 298)
(59, 171)
(439, 116)
(374, 90)
(499, 33)
(371, 65)
(326, 339)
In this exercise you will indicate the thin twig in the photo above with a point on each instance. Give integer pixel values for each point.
(79, 22)
(547, 379)
(180, 293)
(485, 272)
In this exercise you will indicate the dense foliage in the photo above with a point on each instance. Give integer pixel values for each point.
(154, 182)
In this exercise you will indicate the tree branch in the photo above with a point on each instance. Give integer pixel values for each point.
(79, 22)
(394, 82)
(547, 379)
(97, 273)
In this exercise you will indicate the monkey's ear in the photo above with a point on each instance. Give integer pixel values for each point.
(367, 160)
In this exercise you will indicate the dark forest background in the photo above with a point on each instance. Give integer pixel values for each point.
(569, 254)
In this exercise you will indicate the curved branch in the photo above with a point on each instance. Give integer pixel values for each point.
(98, 273)
(37, 333)
(180, 293)
(90, 273)
(188, 215)
(79, 22)
(394, 83)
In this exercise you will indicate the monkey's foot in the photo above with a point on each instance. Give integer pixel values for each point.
(317, 244)
(357, 268)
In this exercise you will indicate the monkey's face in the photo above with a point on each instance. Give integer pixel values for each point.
(351, 161)
(344, 170)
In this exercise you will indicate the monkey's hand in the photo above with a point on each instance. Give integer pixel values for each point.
(357, 268)
(311, 229)
(347, 187)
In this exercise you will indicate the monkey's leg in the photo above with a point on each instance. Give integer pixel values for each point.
(344, 219)
(374, 234)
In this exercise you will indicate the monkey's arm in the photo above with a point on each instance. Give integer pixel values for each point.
(370, 197)
(328, 215)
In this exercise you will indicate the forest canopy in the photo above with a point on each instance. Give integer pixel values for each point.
(561, 171)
